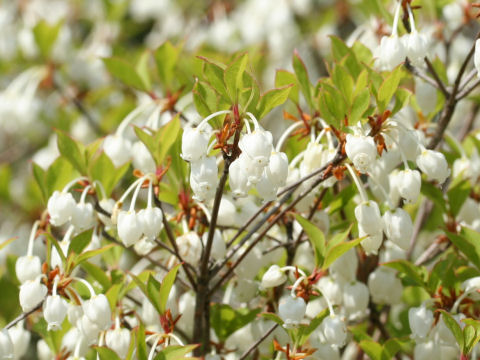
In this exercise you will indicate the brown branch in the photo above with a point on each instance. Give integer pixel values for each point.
(258, 342)
(418, 73)
(23, 316)
(438, 81)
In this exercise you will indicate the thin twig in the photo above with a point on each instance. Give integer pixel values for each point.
(258, 342)
(468, 90)
(23, 316)
(418, 73)
(437, 79)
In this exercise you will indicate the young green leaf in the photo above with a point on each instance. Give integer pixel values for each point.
(302, 77)
(338, 250)
(103, 170)
(272, 99)
(372, 349)
(165, 288)
(125, 72)
(454, 328)
(233, 76)
(225, 320)
(105, 353)
(388, 88)
(284, 78)
(166, 57)
(316, 237)
(416, 274)
(175, 352)
(45, 36)
(73, 151)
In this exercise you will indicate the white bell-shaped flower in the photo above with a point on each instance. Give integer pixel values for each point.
(421, 321)
(20, 338)
(384, 286)
(368, 216)
(334, 330)
(273, 277)
(88, 329)
(266, 189)
(238, 177)
(61, 207)
(43, 350)
(257, 145)
(219, 248)
(361, 150)
(472, 287)
(476, 57)
(416, 47)
(434, 165)
(291, 310)
(119, 341)
(142, 158)
(372, 242)
(118, 149)
(277, 169)
(74, 313)
(195, 142)
(331, 289)
(355, 299)
(32, 293)
(391, 52)
(398, 227)
(204, 178)
(84, 216)
(345, 266)
(190, 247)
(150, 220)
(427, 351)
(129, 227)
(6, 345)
(144, 246)
(408, 183)
(97, 309)
(54, 311)
(28, 268)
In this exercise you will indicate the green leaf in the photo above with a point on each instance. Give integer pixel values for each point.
(73, 151)
(457, 194)
(388, 88)
(225, 320)
(272, 99)
(233, 76)
(402, 98)
(103, 170)
(338, 250)
(306, 331)
(204, 98)
(372, 349)
(343, 82)
(80, 242)
(141, 343)
(284, 78)
(168, 135)
(91, 253)
(166, 286)
(153, 290)
(175, 352)
(468, 242)
(316, 237)
(272, 317)
(341, 51)
(454, 328)
(302, 77)
(470, 338)
(214, 74)
(45, 36)
(416, 274)
(361, 102)
(39, 176)
(392, 346)
(58, 175)
(434, 194)
(125, 72)
(97, 273)
(141, 69)
(338, 238)
(105, 353)
(166, 57)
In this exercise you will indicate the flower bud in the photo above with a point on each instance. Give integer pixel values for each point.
(119, 341)
(334, 331)
(31, 294)
(277, 169)
(361, 150)
(150, 221)
(129, 227)
(368, 216)
(54, 310)
(257, 146)
(434, 165)
(273, 277)
(97, 309)
(118, 149)
(61, 207)
(384, 286)
(291, 310)
(28, 268)
(398, 227)
(6, 345)
(195, 142)
(421, 321)
(416, 46)
(408, 183)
